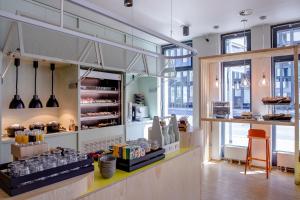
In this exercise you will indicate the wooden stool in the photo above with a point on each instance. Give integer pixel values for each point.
(258, 134)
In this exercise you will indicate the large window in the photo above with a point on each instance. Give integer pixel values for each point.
(237, 90)
(286, 34)
(283, 85)
(236, 42)
(234, 75)
(283, 82)
(177, 92)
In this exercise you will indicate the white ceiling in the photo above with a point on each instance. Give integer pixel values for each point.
(202, 15)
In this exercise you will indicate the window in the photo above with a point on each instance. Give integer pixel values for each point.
(236, 42)
(286, 34)
(283, 78)
(177, 93)
(233, 90)
(283, 75)
(239, 95)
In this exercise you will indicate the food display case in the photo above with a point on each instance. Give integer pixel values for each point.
(100, 99)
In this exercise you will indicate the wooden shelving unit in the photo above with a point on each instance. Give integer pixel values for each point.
(100, 97)
(259, 58)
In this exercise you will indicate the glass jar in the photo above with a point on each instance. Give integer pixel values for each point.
(23, 170)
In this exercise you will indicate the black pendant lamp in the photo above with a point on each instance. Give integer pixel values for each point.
(35, 101)
(16, 102)
(52, 102)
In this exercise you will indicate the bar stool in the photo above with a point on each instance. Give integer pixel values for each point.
(258, 134)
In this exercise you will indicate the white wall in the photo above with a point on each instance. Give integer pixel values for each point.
(205, 48)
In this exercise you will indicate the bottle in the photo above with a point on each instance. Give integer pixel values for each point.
(72, 125)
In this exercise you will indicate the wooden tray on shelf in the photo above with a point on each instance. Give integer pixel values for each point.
(277, 117)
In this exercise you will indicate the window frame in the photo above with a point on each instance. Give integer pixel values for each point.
(171, 46)
(233, 64)
(233, 35)
(287, 58)
(223, 38)
(280, 27)
(177, 69)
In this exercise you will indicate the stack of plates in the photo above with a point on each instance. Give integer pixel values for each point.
(107, 166)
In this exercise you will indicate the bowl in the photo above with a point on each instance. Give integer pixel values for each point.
(107, 166)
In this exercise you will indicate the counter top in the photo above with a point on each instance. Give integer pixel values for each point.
(101, 183)
(98, 182)
(147, 121)
(5, 139)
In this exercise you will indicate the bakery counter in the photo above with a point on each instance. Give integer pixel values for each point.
(170, 178)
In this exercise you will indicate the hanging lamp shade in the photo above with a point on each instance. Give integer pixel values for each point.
(35, 101)
(52, 101)
(16, 102)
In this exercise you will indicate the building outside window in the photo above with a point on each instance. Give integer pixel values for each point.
(286, 34)
(283, 78)
(234, 74)
(177, 92)
(236, 42)
(238, 94)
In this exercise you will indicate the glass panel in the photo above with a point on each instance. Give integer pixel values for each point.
(284, 75)
(285, 138)
(234, 91)
(181, 96)
(185, 94)
(239, 97)
(234, 45)
(236, 134)
(283, 38)
(297, 35)
(180, 90)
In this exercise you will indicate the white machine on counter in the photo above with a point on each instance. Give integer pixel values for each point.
(167, 135)
(139, 112)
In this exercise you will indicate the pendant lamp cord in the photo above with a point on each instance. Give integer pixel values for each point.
(171, 30)
(17, 77)
(35, 70)
(52, 82)
(52, 67)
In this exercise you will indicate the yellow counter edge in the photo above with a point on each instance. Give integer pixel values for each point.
(100, 183)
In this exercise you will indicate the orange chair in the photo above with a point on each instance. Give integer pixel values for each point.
(258, 134)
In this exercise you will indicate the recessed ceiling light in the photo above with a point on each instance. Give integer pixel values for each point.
(263, 17)
(246, 12)
(128, 3)
(216, 26)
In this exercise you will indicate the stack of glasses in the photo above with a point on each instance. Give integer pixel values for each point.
(44, 161)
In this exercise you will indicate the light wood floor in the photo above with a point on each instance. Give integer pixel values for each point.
(221, 180)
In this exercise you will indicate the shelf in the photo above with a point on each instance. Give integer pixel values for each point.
(277, 104)
(99, 104)
(99, 91)
(99, 117)
(249, 121)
